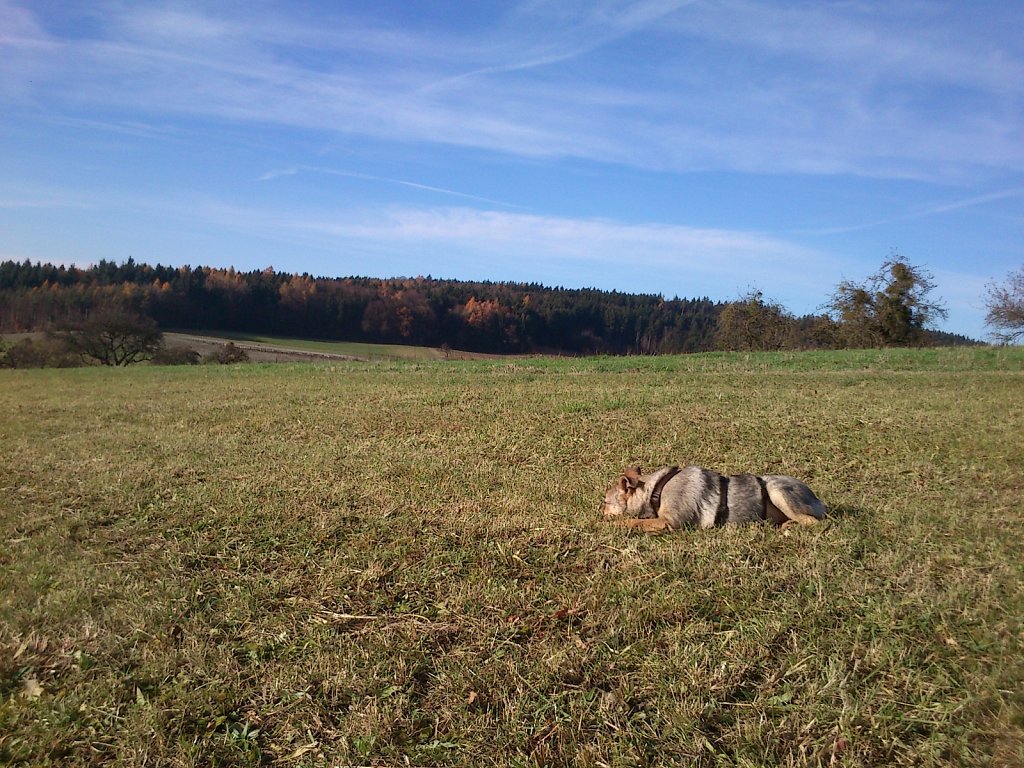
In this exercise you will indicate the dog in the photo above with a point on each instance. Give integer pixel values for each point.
(671, 498)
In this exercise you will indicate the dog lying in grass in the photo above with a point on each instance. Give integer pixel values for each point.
(671, 498)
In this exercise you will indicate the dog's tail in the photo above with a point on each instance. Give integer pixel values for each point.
(794, 500)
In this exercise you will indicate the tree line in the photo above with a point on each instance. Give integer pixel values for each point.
(472, 316)
(892, 308)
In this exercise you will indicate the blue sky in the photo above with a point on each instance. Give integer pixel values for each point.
(698, 148)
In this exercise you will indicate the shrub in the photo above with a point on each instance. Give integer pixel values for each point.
(39, 352)
(228, 354)
(175, 355)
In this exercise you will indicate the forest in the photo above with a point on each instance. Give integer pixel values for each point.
(474, 316)
(494, 317)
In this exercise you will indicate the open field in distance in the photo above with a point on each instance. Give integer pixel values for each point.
(277, 349)
(391, 563)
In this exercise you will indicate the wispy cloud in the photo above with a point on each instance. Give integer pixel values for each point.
(580, 31)
(646, 254)
(602, 253)
(849, 92)
(971, 202)
(922, 212)
(295, 170)
(899, 43)
(650, 258)
(495, 232)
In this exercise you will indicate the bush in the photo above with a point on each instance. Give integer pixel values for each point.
(175, 355)
(228, 354)
(754, 323)
(40, 352)
(891, 310)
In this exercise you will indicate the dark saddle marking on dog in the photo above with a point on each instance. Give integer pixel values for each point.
(722, 513)
(659, 486)
(764, 496)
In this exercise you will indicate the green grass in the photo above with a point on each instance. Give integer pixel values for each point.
(375, 564)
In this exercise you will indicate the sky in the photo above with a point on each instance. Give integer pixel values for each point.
(687, 148)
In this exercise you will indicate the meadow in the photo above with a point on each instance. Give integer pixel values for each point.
(357, 350)
(403, 563)
(206, 346)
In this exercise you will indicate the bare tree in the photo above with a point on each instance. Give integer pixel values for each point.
(1006, 308)
(115, 337)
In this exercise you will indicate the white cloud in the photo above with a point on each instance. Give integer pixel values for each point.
(741, 86)
(921, 212)
(499, 245)
(560, 32)
(293, 171)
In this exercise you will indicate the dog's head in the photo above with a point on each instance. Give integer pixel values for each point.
(616, 500)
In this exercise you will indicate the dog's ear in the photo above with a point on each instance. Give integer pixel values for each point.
(631, 479)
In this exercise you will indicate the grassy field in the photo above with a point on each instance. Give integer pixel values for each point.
(368, 352)
(403, 564)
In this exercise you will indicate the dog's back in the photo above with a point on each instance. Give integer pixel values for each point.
(747, 499)
(692, 497)
(700, 497)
